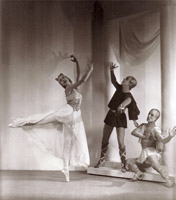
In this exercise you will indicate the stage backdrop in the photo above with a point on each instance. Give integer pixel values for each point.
(31, 31)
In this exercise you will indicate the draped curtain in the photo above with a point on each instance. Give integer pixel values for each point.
(139, 37)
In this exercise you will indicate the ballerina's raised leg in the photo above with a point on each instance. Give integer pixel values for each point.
(63, 115)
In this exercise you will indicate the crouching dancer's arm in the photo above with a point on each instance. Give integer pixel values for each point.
(139, 131)
(165, 139)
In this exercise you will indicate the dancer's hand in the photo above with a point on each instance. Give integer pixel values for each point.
(121, 109)
(73, 58)
(113, 66)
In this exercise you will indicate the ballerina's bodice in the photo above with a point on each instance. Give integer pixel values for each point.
(74, 99)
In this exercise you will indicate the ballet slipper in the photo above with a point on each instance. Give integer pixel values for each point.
(66, 174)
(20, 122)
(12, 125)
(18, 125)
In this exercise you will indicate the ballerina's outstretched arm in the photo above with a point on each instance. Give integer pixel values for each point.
(81, 81)
(74, 59)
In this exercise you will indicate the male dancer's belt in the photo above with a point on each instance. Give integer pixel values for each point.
(116, 112)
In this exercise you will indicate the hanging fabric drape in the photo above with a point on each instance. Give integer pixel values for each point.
(139, 37)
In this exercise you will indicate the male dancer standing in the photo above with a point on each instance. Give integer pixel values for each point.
(116, 116)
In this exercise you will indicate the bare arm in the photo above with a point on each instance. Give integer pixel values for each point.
(82, 80)
(139, 131)
(74, 59)
(135, 123)
(113, 78)
(165, 139)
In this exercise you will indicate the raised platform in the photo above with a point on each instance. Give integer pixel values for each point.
(113, 169)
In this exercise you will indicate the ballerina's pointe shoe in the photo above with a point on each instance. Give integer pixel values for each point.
(11, 125)
(66, 174)
(18, 125)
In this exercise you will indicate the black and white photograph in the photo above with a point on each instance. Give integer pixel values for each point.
(87, 100)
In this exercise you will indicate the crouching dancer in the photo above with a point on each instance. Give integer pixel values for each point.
(150, 136)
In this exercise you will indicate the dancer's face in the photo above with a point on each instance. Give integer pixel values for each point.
(126, 81)
(153, 116)
(63, 80)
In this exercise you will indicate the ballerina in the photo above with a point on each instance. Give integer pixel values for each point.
(70, 117)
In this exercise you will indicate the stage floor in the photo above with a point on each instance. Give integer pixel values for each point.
(51, 185)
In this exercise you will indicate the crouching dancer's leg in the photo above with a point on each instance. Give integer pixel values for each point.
(161, 170)
(131, 165)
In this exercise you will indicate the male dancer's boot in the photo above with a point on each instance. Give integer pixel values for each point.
(122, 153)
(104, 148)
